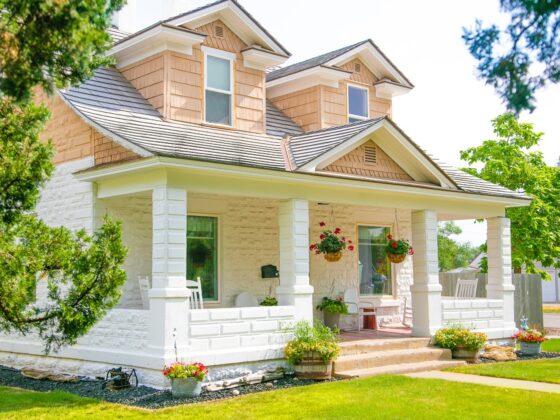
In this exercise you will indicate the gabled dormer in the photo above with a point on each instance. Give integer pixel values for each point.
(350, 84)
(206, 66)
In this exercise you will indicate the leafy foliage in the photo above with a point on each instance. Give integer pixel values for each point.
(398, 246)
(456, 336)
(269, 301)
(48, 44)
(529, 336)
(179, 370)
(333, 306)
(506, 57)
(318, 339)
(451, 253)
(511, 162)
(331, 242)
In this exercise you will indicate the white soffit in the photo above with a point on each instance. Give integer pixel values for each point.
(256, 58)
(159, 38)
(236, 18)
(319, 75)
(379, 65)
(386, 89)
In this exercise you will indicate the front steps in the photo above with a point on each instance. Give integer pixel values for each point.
(362, 358)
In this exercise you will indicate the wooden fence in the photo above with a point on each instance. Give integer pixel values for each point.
(527, 297)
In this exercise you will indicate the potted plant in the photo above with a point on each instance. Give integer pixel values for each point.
(332, 309)
(463, 343)
(398, 249)
(312, 350)
(269, 301)
(186, 379)
(530, 341)
(331, 244)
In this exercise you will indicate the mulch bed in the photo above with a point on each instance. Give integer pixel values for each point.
(522, 356)
(141, 396)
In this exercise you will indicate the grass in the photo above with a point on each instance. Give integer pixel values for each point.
(551, 345)
(551, 309)
(543, 370)
(384, 397)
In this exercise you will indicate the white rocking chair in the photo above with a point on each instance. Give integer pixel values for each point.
(466, 289)
(406, 312)
(196, 297)
(357, 306)
(144, 285)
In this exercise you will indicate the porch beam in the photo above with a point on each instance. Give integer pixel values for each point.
(426, 289)
(294, 288)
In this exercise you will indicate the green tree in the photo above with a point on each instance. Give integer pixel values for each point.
(511, 161)
(49, 44)
(507, 57)
(451, 253)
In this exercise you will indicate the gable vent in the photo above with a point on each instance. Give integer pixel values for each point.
(370, 155)
(219, 31)
(357, 67)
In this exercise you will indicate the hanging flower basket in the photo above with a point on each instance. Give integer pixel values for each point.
(397, 249)
(331, 244)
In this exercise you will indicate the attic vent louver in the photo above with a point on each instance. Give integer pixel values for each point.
(357, 67)
(219, 31)
(370, 155)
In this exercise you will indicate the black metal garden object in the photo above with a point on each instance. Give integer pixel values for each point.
(119, 378)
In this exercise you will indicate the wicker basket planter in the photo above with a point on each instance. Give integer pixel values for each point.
(313, 367)
(396, 258)
(333, 256)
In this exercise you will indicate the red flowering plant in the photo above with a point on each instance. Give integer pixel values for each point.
(331, 242)
(186, 370)
(529, 336)
(398, 246)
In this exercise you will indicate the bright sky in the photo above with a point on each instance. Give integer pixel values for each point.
(449, 109)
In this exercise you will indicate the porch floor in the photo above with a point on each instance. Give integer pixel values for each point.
(381, 333)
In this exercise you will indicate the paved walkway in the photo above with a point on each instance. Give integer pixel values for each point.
(488, 380)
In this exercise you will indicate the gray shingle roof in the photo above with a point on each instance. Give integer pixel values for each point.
(278, 123)
(116, 34)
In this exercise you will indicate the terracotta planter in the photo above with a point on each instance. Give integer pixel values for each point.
(313, 367)
(333, 256)
(396, 258)
(465, 354)
(331, 320)
(185, 387)
(530, 348)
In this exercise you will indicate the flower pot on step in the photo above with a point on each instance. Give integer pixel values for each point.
(331, 320)
(313, 367)
(185, 387)
(465, 354)
(530, 348)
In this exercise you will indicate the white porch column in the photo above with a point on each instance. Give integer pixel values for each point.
(500, 285)
(169, 297)
(426, 290)
(294, 289)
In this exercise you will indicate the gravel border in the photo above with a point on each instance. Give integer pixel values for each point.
(141, 396)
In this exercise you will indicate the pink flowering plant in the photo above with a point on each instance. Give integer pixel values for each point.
(529, 336)
(398, 246)
(331, 242)
(186, 370)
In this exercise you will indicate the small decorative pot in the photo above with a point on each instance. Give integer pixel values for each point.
(313, 367)
(185, 387)
(331, 320)
(530, 348)
(465, 354)
(396, 258)
(333, 256)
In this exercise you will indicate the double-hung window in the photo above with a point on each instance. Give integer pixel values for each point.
(218, 87)
(358, 98)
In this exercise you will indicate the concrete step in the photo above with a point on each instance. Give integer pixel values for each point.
(368, 346)
(402, 368)
(391, 357)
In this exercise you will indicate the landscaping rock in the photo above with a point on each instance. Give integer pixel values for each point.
(46, 375)
(499, 353)
(268, 385)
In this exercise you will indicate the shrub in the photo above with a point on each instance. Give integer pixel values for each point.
(333, 306)
(269, 301)
(307, 338)
(457, 336)
(183, 370)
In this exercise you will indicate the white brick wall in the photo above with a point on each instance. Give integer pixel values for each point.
(477, 314)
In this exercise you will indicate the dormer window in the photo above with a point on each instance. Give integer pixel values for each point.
(358, 103)
(218, 86)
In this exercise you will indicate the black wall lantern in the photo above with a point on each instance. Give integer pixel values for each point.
(269, 272)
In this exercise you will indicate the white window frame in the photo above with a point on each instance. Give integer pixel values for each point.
(357, 117)
(225, 55)
(218, 257)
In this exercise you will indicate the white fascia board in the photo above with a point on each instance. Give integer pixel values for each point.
(374, 60)
(157, 39)
(387, 90)
(237, 21)
(295, 178)
(257, 59)
(319, 75)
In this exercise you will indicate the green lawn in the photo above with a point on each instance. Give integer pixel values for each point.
(379, 397)
(544, 370)
(551, 345)
(551, 309)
